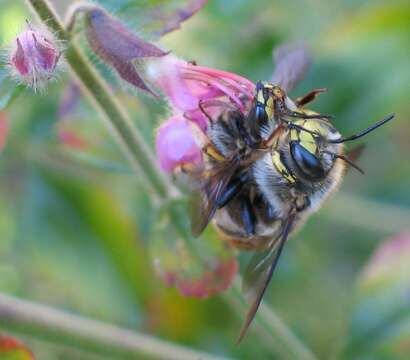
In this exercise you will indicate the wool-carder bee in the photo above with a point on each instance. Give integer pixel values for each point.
(266, 171)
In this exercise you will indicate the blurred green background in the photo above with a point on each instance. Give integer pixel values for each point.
(75, 224)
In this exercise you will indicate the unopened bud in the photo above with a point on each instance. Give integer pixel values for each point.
(33, 58)
(178, 144)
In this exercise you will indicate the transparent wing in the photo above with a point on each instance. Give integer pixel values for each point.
(203, 204)
(291, 62)
(355, 153)
(259, 273)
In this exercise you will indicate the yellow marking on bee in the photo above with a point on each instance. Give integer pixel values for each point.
(269, 107)
(294, 135)
(281, 168)
(259, 96)
(307, 140)
(211, 151)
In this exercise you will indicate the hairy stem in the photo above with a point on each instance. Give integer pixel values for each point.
(115, 118)
(142, 160)
(90, 335)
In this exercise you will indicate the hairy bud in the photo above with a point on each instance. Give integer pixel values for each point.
(34, 58)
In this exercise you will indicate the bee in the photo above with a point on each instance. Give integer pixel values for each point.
(267, 170)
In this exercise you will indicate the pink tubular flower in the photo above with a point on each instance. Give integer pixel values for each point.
(178, 144)
(34, 58)
(196, 95)
(194, 90)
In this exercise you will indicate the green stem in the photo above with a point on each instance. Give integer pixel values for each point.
(142, 160)
(90, 335)
(115, 118)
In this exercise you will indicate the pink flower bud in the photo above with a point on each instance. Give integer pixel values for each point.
(178, 143)
(34, 58)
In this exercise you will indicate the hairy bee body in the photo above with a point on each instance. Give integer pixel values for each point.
(273, 183)
(266, 170)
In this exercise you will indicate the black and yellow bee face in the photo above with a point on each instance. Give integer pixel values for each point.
(263, 103)
(308, 153)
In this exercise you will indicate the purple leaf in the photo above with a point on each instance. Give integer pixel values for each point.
(112, 41)
(172, 20)
(128, 72)
(157, 18)
(118, 46)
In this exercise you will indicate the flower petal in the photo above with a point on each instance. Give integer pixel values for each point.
(199, 92)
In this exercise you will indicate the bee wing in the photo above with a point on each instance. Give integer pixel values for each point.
(259, 273)
(292, 61)
(354, 153)
(203, 205)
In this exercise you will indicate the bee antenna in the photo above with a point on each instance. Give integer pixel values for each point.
(347, 160)
(301, 128)
(364, 132)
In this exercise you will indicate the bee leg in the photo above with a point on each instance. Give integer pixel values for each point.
(230, 192)
(232, 189)
(270, 213)
(309, 97)
(248, 216)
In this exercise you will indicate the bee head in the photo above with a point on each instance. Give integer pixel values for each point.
(310, 154)
(267, 97)
(315, 145)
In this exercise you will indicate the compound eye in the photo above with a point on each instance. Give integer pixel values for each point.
(260, 114)
(307, 163)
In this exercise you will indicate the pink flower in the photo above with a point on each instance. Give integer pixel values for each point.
(178, 143)
(196, 95)
(33, 58)
(194, 90)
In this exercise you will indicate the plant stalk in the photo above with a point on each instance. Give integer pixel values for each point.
(90, 335)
